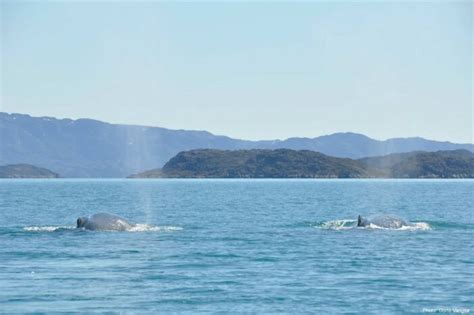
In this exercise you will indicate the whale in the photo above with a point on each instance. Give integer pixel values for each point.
(387, 221)
(103, 222)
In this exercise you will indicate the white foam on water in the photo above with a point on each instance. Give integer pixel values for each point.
(152, 228)
(417, 226)
(337, 225)
(47, 228)
(135, 228)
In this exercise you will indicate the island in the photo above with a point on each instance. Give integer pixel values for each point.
(286, 163)
(25, 171)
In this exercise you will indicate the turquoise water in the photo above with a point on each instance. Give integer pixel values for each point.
(238, 246)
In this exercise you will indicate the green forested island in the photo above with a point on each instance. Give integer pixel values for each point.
(285, 163)
(25, 171)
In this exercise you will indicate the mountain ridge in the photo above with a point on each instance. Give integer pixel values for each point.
(92, 148)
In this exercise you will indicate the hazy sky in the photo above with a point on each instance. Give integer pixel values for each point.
(247, 70)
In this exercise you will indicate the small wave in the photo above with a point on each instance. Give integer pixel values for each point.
(135, 228)
(152, 228)
(47, 228)
(336, 225)
(418, 226)
(451, 225)
(352, 224)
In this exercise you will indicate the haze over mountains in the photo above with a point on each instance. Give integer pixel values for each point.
(91, 148)
(25, 171)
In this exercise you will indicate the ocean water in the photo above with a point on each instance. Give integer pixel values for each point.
(237, 246)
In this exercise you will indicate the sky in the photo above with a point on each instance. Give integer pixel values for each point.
(250, 70)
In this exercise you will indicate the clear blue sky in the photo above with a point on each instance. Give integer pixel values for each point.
(247, 70)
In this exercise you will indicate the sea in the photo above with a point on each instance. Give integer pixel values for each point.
(231, 246)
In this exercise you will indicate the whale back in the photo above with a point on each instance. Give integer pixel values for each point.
(387, 221)
(106, 222)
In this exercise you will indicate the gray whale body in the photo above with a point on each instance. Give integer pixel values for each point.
(103, 222)
(383, 220)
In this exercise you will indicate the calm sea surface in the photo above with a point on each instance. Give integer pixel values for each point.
(236, 246)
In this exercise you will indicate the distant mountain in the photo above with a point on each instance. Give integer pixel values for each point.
(90, 148)
(285, 163)
(356, 146)
(25, 171)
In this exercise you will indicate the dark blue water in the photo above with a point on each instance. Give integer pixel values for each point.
(262, 246)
